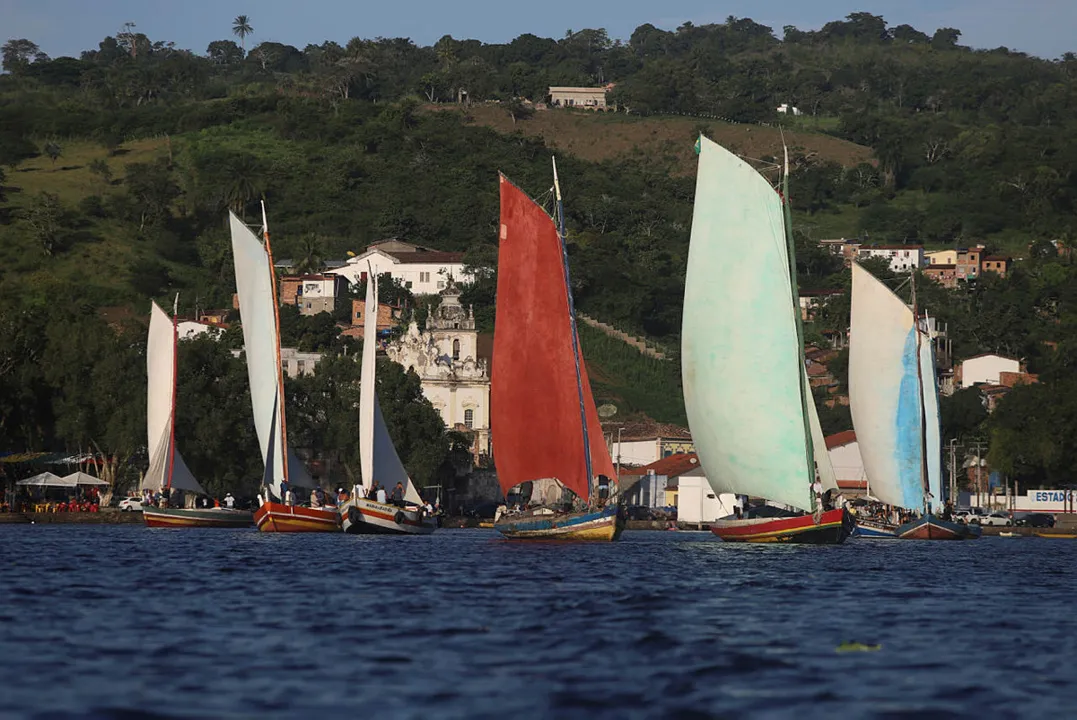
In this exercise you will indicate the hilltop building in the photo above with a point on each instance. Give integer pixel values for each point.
(419, 269)
(588, 98)
(313, 294)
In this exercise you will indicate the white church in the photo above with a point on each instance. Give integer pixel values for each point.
(445, 357)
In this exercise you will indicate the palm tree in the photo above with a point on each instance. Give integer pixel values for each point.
(310, 258)
(241, 28)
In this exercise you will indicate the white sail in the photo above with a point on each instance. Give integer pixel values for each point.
(742, 362)
(827, 477)
(167, 468)
(378, 460)
(254, 285)
(932, 429)
(884, 391)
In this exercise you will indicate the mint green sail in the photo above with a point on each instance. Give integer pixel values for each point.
(741, 357)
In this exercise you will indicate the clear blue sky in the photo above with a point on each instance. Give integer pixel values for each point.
(66, 27)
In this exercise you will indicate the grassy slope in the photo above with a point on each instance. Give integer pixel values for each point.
(604, 136)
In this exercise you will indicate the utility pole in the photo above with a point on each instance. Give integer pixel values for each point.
(619, 430)
(980, 490)
(953, 472)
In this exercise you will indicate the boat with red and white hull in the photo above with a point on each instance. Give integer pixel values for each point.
(196, 517)
(369, 517)
(379, 462)
(834, 527)
(931, 527)
(278, 517)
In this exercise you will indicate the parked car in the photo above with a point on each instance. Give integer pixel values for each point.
(131, 504)
(970, 516)
(1036, 520)
(997, 518)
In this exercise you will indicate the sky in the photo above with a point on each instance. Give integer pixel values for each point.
(66, 27)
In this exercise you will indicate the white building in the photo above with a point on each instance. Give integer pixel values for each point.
(844, 454)
(294, 362)
(902, 258)
(454, 378)
(987, 369)
(590, 98)
(648, 449)
(423, 271)
(187, 329)
(787, 109)
(313, 294)
(698, 503)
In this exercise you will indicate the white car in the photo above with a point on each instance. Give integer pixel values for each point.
(131, 504)
(997, 518)
(971, 516)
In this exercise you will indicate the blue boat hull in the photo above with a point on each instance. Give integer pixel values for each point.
(868, 529)
(603, 525)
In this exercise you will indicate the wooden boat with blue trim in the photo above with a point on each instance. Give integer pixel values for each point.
(196, 517)
(746, 393)
(603, 525)
(931, 527)
(545, 427)
(378, 459)
(833, 528)
(874, 529)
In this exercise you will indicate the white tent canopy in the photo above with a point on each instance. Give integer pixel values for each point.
(81, 478)
(47, 479)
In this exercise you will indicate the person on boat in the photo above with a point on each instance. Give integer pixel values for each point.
(342, 497)
(817, 494)
(286, 494)
(316, 499)
(373, 494)
(381, 494)
(398, 495)
(229, 501)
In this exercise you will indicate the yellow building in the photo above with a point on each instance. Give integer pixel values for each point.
(941, 257)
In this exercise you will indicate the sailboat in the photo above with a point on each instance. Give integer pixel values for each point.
(378, 460)
(257, 288)
(168, 471)
(893, 396)
(746, 390)
(546, 434)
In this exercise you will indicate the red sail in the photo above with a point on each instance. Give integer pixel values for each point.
(535, 402)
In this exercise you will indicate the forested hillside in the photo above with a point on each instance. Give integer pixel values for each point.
(118, 167)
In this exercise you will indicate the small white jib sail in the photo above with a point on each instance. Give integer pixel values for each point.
(378, 460)
(893, 395)
(256, 287)
(167, 469)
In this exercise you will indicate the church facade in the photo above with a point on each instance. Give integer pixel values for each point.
(445, 357)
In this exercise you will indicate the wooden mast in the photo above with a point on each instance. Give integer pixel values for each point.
(920, 397)
(172, 407)
(276, 346)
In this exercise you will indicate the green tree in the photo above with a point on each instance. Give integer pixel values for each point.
(101, 169)
(241, 28)
(53, 150)
(19, 54)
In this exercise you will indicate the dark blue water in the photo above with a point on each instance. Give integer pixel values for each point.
(129, 622)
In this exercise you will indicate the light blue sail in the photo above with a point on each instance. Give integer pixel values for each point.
(741, 362)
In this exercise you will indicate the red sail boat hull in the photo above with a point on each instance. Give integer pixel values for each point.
(278, 517)
(833, 528)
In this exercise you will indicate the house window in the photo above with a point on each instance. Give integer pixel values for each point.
(362, 277)
(408, 284)
(441, 284)
(308, 306)
(424, 277)
(455, 349)
(469, 418)
(300, 366)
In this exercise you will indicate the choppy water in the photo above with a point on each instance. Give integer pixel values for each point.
(123, 621)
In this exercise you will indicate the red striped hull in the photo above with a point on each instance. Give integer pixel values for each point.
(277, 517)
(367, 517)
(833, 528)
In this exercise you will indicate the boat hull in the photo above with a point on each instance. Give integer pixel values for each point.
(875, 530)
(603, 525)
(930, 527)
(367, 517)
(833, 528)
(196, 517)
(277, 517)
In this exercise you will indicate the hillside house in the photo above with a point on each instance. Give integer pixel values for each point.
(388, 316)
(997, 264)
(588, 98)
(968, 262)
(941, 257)
(812, 300)
(945, 275)
(644, 442)
(901, 258)
(312, 294)
(986, 369)
(419, 269)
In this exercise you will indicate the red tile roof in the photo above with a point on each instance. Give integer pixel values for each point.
(839, 439)
(671, 466)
